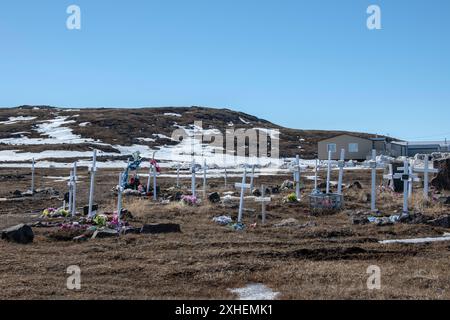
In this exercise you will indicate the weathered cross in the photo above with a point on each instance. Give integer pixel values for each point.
(316, 177)
(193, 171)
(329, 172)
(120, 189)
(264, 200)
(297, 171)
(178, 175)
(373, 167)
(426, 171)
(243, 187)
(390, 176)
(341, 165)
(74, 190)
(226, 178)
(154, 172)
(93, 170)
(407, 178)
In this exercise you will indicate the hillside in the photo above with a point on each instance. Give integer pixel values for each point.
(59, 133)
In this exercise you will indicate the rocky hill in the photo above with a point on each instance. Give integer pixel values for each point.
(54, 133)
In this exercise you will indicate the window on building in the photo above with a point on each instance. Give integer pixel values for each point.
(353, 147)
(332, 147)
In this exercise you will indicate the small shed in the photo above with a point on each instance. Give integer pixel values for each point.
(356, 148)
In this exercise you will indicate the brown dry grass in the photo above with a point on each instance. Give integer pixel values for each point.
(327, 259)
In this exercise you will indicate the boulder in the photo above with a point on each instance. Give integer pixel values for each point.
(130, 230)
(214, 197)
(105, 233)
(442, 179)
(275, 190)
(160, 228)
(256, 192)
(21, 233)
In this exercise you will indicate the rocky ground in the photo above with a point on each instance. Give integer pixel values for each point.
(312, 257)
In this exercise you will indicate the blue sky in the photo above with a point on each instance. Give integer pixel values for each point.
(301, 64)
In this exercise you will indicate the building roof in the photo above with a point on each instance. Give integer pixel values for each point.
(355, 136)
(422, 143)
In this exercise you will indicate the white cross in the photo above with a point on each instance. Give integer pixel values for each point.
(74, 190)
(252, 177)
(70, 185)
(93, 170)
(373, 167)
(426, 171)
(193, 177)
(390, 176)
(264, 200)
(119, 197)
(243, 186)
(316, 176)
(155, 196)
(407, 178)
(329, 172)
(341, 165)
(297, 170)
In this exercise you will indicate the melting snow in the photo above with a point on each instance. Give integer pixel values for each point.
(255, 291)
(14, 120)
(170, 114)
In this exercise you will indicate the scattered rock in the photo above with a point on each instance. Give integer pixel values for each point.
(443, 222)
(21, 234)
(160, 228)
(86, 209)
(105, 233)
(256, 192)
(359, 220)
(214, 197)
(287, 184)
(130, 230)
(275, 190)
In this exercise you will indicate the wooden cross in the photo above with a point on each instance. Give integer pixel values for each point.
(297, 170)
(74, 190)
(93, 170)
(329, 172)
(426, 171)
(373, 167)
(390, 176)
(243, 187)
(407, 178)
(341, 165)
(264, 200)
(205, 168)
(193, 170)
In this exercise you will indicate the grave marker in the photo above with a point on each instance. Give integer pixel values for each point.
(329, 172)
(426, 171)
(406, 177)
(155, 194)
(74, 191)
(297, 170)
(390, 176)
(193, 177)
(243, 186)
(264, 200)
(316, 170)
(373, 167)
(252, 178)
(226, 178)
(93, 170)
(341, 165)
(178, 175)
(205, 168)
(70, 185)
(120, 189)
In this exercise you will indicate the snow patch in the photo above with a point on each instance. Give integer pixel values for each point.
(255, 291)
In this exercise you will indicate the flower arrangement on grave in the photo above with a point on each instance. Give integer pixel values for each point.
(55, 213)
(189, 200)
(100, 220)
(291, 198)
